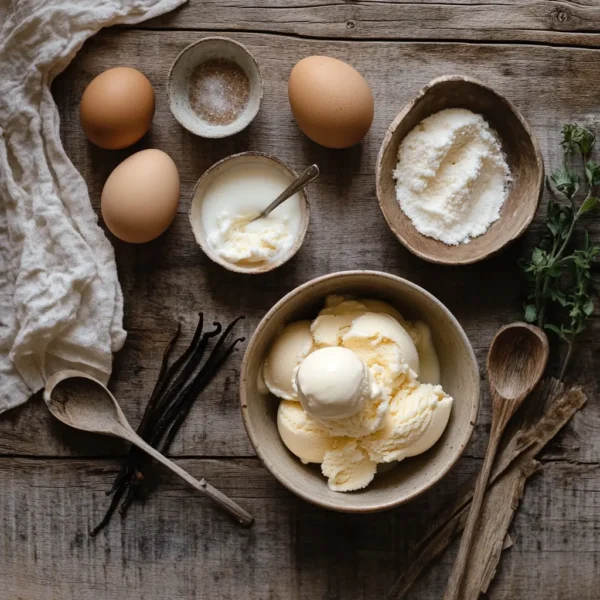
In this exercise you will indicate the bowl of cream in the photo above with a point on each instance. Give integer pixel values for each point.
(229, 196)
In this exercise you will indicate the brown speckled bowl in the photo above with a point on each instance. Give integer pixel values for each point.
(459, 374)
(522, 154)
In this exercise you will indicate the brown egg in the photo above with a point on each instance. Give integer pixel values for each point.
(117, 108)
(331, 101)
(140, 197)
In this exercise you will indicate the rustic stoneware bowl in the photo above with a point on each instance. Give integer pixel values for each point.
(407, 479)
(179, 85)
(203, 184)
(518, 143)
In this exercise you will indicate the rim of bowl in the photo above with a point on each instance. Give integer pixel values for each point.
(205, 246)
(388, 137)
(245, 376)
(171, 95)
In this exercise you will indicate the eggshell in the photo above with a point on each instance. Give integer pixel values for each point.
(331, 101)
(117, 108)
(140, 197)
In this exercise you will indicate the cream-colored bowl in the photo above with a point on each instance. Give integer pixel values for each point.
(212, 173)
(178, 84)
(409, 478)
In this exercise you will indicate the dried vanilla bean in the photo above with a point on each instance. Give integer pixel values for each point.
(177, 387)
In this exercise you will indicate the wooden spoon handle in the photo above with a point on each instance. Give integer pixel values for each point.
(228, 505)
(460, 564)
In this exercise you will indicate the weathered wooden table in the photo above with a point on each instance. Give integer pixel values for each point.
(545, 57)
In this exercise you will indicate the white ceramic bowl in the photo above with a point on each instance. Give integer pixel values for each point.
(179, 82)
(195, 214)
(409, 478)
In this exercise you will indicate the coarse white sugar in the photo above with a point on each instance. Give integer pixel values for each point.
(452, 177)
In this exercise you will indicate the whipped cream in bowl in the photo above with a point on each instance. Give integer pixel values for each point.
(226, 200)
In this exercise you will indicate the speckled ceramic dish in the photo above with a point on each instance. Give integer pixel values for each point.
(179, 85)
(196, 206)
(409, 478)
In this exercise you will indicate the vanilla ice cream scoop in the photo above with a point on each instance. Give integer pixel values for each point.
(301, 434)
(288, 350)
(385, 347)
(417, 417)
(333, 383)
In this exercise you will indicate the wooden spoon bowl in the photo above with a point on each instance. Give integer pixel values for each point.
(518, 143)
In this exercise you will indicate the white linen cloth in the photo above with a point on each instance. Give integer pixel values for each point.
(61, 304)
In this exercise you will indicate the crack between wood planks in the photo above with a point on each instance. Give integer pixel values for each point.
(116, 458)
(399, 40)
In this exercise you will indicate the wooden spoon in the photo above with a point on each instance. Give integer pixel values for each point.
(82, 402)
(515, 364)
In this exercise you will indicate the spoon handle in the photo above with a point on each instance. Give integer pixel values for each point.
(305, 178)
(460, 564)
(228, 505)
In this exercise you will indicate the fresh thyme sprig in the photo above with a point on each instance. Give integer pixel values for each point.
(559, 276)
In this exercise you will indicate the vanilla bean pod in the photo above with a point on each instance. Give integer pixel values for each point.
(170, 414)
(169, 406)
(172, 419)
(163, 376)
(201, 381)
(170, 402)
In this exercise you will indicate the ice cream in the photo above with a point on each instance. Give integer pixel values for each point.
(292, 345)
(348, 467)
(366, 385)
(416, 419)
(303, 436)
(334, 383)
(385, 346)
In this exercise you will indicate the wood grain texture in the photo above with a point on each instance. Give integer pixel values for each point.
(170, 278)
(177, 546)
(552, 21)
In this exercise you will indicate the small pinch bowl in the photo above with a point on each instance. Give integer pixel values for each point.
(196, 205)
(407, 479)
(178, 85)
(518, 143)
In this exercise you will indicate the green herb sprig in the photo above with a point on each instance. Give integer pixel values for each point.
(559, 276)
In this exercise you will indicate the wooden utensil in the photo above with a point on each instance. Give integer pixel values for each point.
(82, 402)
(306, 177)
(522, 154)
(515, 364)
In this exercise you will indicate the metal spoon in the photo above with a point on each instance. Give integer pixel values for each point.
(82, 402)
(515, 364)
(300, 182)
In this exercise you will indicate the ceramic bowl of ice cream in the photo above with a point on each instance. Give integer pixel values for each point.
(226, 198)
(518, 145)
(397, 482)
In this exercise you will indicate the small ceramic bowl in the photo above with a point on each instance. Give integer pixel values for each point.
(518, 143)
(407, 479)
(179, 85)
(196, 206)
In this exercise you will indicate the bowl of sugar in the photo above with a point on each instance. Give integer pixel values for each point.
(215, 87)
(459, 173)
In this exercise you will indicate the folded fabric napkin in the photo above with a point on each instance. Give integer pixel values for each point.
(61, 304)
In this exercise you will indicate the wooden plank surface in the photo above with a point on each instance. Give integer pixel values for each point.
(171, 279)
(52, 480)
(564, 22)
(178, 547)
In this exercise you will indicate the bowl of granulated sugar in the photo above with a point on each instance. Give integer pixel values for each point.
(215, 87)
(459, 173)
